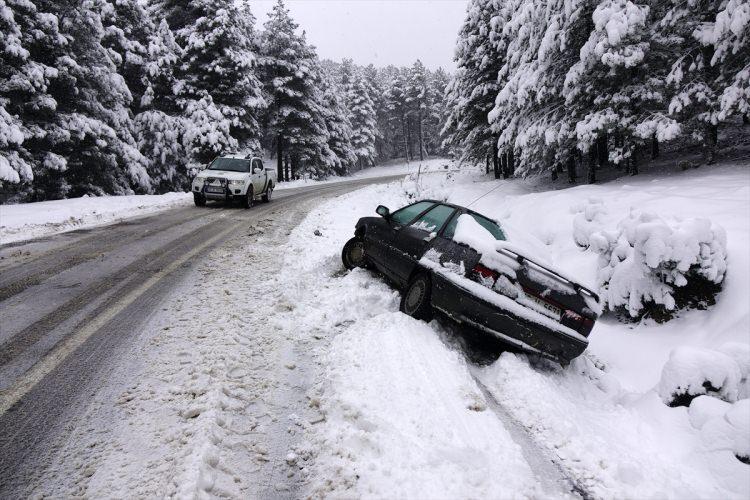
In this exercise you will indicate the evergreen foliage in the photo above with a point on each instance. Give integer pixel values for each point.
(581, 84)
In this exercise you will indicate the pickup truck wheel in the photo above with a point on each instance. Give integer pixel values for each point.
(199, 199)
(249, 198)
(353, 254)
(416, 300)
(268, 193)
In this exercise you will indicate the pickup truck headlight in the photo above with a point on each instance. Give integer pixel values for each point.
(237, 183)
(198, 181)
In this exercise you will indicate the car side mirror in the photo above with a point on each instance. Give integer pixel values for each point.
(257, 170)
(383, 211)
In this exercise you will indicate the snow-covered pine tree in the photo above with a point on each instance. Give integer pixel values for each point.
(159, 125)
(419, 98)
(219, 92)
(471, 93)
(295, 119)
(730, 36)
(436, 115)
(74, 105)
(339, 127)
(127, 28)
(363, 119)
(397, 108)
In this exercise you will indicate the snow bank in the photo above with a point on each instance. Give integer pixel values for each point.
(404, 419)
(30, 220)
(618, 444)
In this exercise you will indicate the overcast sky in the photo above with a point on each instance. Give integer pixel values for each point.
(380, 32)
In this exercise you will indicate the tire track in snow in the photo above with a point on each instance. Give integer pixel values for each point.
(550, 474)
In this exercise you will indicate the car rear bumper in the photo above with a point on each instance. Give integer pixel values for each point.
(464, 307)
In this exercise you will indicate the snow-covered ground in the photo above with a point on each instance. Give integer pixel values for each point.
(404, 415)
(398, 167)
(306, 381)
(31, 220)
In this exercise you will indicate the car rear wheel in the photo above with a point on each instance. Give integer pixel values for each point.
(249, 197)
(416, 300)
(199, 199)
(353, 255)
(267, 195)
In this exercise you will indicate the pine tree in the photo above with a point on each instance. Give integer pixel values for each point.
(79, 136)
(471, 93)
(127, 28)
(295, 118)
(363, 119)
(219, 92)
(397, 108)
(339, 128)
(160, 127)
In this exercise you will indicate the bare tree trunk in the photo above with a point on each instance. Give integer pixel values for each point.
(280, 158)
(421, 139)
(602, 151)
(511, 163)
(571, 163)
(591, 158)
(495, 161)
(712, 140)
(286, 168)
(408, 138)
(654, 147)
(405, 128)
(634, 160)
(487, 164)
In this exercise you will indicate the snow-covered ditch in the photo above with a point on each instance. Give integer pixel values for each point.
(31, 220)
(404, 416)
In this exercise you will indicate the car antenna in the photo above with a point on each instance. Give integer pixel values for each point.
(485, 194)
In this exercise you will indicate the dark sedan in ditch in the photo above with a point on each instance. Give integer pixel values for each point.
(492, 287)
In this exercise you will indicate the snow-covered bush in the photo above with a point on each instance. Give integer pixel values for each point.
(587, 221)
(651, 267)
(691, 372)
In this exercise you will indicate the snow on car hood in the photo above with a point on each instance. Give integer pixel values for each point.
(225, 174)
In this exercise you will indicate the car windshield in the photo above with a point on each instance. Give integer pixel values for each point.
(409, 213)
(230, 164)
(490, 225)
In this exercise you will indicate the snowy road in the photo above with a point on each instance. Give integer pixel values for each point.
(72, 304)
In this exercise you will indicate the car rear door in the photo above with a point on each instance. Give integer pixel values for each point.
(413, 240)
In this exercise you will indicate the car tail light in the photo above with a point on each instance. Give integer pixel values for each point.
(486, 272)
(577, 322)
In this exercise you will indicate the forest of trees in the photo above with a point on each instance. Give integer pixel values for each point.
(576, 85)
(125, 96)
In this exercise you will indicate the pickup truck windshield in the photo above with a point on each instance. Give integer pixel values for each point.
(230, 164)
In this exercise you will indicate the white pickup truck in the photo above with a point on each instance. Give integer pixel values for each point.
(228, 179)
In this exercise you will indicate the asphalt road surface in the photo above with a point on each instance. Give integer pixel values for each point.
(69, 304)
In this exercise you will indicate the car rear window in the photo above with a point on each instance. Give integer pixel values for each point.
(407, 214)
(490, 225)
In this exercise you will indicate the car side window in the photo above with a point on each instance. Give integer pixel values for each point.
(407, 214)
(434, 219)
(256, 164)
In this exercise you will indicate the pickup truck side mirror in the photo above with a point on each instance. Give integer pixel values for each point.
(257, 170)
(383, 211)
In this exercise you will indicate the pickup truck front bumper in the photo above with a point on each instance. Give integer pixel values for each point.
(224, 192)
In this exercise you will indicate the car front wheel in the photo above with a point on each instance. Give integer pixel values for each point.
(416, 300)
(249, 197)
(353, 254)
(199, 199)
